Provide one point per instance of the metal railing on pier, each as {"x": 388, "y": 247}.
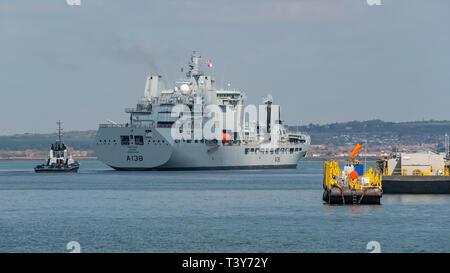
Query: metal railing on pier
{"x": 416, "y": 172}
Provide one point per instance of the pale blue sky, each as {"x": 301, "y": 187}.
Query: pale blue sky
{"x": 322, "y": 60}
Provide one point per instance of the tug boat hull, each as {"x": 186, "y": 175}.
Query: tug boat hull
{"x": 368, "y": 197}
{"x": 45, "y": 169}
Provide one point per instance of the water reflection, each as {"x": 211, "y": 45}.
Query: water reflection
{"x": 417, "y": 198}
{"x": 352, "y": 210}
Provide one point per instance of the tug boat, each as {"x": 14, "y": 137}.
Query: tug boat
{"x": 59, "y": 159}
{"x": 351, "y": 186}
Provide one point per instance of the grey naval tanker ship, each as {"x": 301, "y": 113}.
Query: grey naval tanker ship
{"x": 147, "y": 142}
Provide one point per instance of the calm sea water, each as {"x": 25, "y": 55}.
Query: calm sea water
{"x": 205, "y": 211}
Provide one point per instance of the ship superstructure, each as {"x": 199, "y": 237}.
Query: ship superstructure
{"x": 194, "y": 125}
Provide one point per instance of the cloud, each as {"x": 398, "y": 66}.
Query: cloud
{"x": 295, "y": 10}
{"x": 135, "y": 53}
{"x": 269, "y": 11}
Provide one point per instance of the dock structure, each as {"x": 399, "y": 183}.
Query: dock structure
{"x": 416, "y": 184}
{"x": 351, "y": 186}
{"x": 415, "y": 173}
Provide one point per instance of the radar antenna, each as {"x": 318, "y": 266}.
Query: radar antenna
{"x": 194, "y": 66}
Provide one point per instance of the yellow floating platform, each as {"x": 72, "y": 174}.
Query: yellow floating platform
{"x": 350, "y": 185}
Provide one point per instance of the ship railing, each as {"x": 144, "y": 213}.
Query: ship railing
{"x": 126, "y": 125}
{"x": 397, "y": 171}
{"x": 375, "y": 178}
{"x": 416, "y": 172}
{"x": 138, "y": 110}
{"x": 331, "y": 172}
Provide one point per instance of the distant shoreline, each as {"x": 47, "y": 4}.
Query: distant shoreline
{"x": 34, "y": 159}
{"x": 340, "y": 158}
{"x": 369, "y": 159}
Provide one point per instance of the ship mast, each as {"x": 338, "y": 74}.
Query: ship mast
{"x": 268, "y": 102}
{"x": 194, "y": 66}
{"x": 447, "y": 146}
{"x": 59, "y": 130}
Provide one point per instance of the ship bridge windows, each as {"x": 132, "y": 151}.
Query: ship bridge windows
{"x": 229, "y": 96}
{"x": 139, "y": 140}
{"x": 125, "y": 140}
{"x": 296, "y": 140}
{"x": 165, "y": 124}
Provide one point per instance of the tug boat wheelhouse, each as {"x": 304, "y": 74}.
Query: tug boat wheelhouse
{"x": 59, "y": 159}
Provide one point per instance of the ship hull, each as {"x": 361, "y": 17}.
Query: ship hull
{"x": 154, "y": 151}
{"x": 57, "y": 170}
{"x": 352, "y": 197}
{"x": 252, "y": 167}
{"x": 160, "y": 152}
{"x": 407, "y": 184}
